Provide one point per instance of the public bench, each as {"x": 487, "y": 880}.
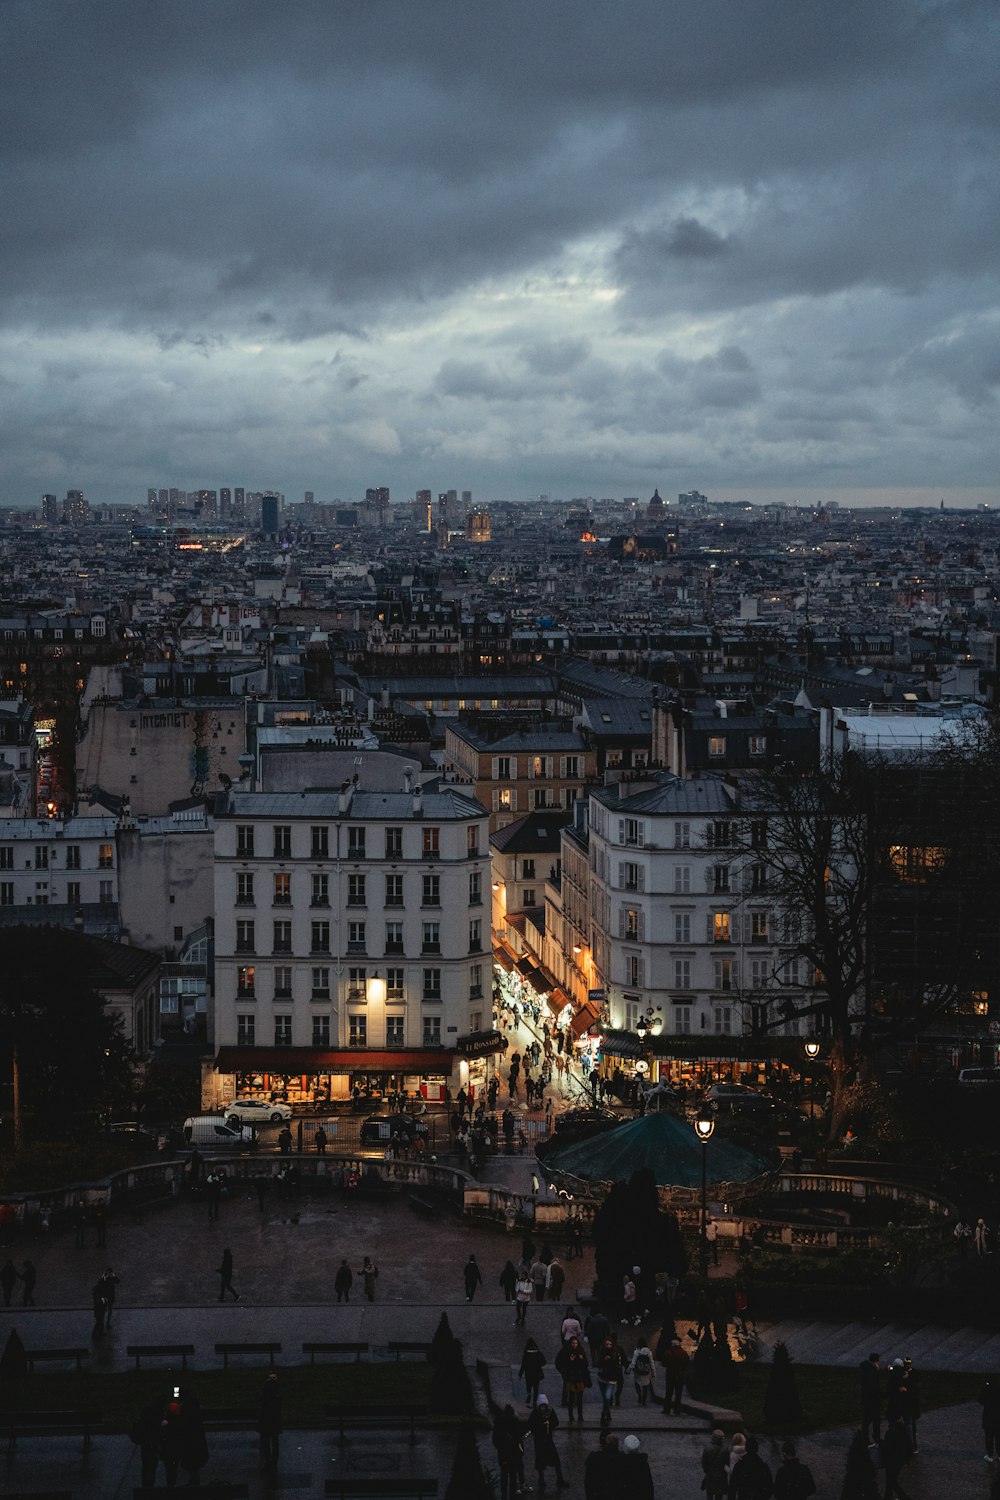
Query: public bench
{"x": 382, "y": 1489}
{"x": 38, "y": 1495}
{"x": 227, "y": 1349}
{"x": 156, "y": 1351}
{"x": 313, "y": 1349}
{"x": 51, "y": 1423}
{"x": 33, "y": 1355}
{"x": 218, "y": 1489}
{"x": 399, "y": 1347}
{"x": 382, "y": 1415}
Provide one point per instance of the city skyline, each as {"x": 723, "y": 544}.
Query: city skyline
{"x": 571, "y": 251}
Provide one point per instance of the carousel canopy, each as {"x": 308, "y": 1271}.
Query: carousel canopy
{"x": 662, "y": 1142}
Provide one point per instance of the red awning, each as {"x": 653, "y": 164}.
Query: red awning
{"x": 503, "y": 958}
{"x": 585, "y": 1016}
{"x": 318, "y": 1060}
{"x": 557, "y": 1001}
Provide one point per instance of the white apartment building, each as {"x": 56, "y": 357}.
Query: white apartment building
{"x": 71, "y": 865}
{"x": 681, "y": 918}
{"x": 352, "y": 940}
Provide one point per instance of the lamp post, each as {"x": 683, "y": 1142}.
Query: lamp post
{"x": 812, "y": 1052}
{"x": 704, "y": 1126}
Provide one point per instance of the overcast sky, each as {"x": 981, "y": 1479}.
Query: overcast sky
{"x": 577, "y": 248}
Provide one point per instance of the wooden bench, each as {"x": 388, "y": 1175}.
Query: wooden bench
{"x": 32, "y": 1355}
{"x": 313, "y": 1349}
{"x": 382, "y": 1489}
{"x": 227, "y": 1349}
{"x": 403, "y": 1414}
{"x": 57, "y": 1423}
{"x": 157, "y": 1351}
{"x": 399, "y": 1347}
{"x": 216, "y": 1489}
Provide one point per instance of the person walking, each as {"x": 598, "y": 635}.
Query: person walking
{"x": 608, "y": 1367}
{"x": 369, "y": 1276}
{"x": 981, "y": 1238}
{"x": 269, "y": 1420}
{"x": 895, "y": 1450}
{"x": 213, "y": 1194}
{"x": 871, "y": 1398}
{"x": 320, "y": 1139}
{"x": 101, "y": 1224}
{"x": 675, "y": 1359}
{"x": 508, "y": 1441}
{"x": 537, "y": 1273}
{"x": 542, "y": 1426}
{"x": 715, "y": 1467}
{"x": 602, "y": 1471}
{"x": 573, "y": 1366}
{"x": 147, "y": 1434}
{"x": 226, "y": 1277}
{"x": 794, "y": 1480}
{"x": 597, "y": 1329}
{"x": 343, "y": 1281}
{"x": 712, "y": 1236}
{"x": 571, "y": 1327}
{"x": 508, "y": 1281}
{"x": 751, "y": 1477}
{"x": 8, "y": 1278}
{"x": 636, "y": 1479}
{"x": 532, "y": 1370}
{"x": 555, "y": 1279}
{"x": 522, "y": 1296}
{"x": 911, "y": 1400}
{"x": 641, "y": 1368}
{"x": 100, "y": 1308}
{"x": 29, "y": 1278}
{"x": 285, "y": 1141}
{"x": 472, "y": 1277}
{"x": 108, "y": 1282}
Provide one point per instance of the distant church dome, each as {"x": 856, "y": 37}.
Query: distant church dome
{"x": 655, "y": 506}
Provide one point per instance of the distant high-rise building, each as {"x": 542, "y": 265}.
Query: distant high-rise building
{"x": 207, "y": 502}
{"x": 692, "y": 497}
{"x": 466, "y": 499}
{"x": 376, "y": 506}
{"x": 309, "y": 498}
{"x": 239, "y": 505}
{"x": 76, "y": 511}
{"x": 164, "y": 500}
{"x": 452, "y": 501}
{"x": 270, "y": 508}
{"x": 151, "y": 498}
{"x": 423, "y": 512}
{"x": 50, "y": 510}
{"x": 225, "y": 503}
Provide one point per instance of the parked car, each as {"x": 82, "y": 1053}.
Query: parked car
{"x": 131, "y": 1133}
{"x": 215, "y": 1131}
{"x": 378, "y": 1128}
{"x": 256, "y": 1112}
{"x": 977, "y": 1077}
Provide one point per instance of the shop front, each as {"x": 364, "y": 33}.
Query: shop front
{"x": 479, "y": 1058}
{"x": 306, "y": 1076}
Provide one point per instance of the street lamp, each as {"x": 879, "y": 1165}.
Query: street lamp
{"x": 812, "y": 1052}
{"x": 704, "y": 1126}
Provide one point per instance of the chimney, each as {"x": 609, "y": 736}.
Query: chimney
{"x": 344, "y": 799}
{"x": 418, "y": 801}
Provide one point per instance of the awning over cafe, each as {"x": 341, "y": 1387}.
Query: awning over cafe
{"x": 305, "y": 1060}
{"x": 585, "y": 1017}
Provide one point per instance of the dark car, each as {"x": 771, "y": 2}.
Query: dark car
{"x": 379, "y": 1128}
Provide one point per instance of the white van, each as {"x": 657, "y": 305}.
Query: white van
{"x": 215, "y": 1131}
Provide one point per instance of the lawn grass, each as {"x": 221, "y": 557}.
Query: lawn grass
{"x": 830, "y": 1395}
{"x": 307, "y": 1390}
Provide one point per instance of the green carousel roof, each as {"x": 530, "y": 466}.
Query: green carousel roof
{"x": 662, "y": 1142}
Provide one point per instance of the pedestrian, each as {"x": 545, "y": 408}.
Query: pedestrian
{"x": 895, "y": 1451}
{"x": 226, "y": 1277}
{"x": 320, "y": 1139}
{"x": 712, "y": 1237}
{"x": 555, "y": 1279}
{"x": 793, "y": 1480}
{"x": 537, "y": 1274}
{"x": 674, "y": 1358}
{"x": 962, "y": 1236}
{"x": 860, "y": 1478}
{"x": 533, "y": 1370}
{"x": 751, "y": 1477}
{"x": 8, "y": 1276}
{"x": 641, "y": 1367}
{"x": 508, "y": 1281}
{"x": 508, "y": 1440}
{"x": 369, "y": 1276}
{"x": 636, "y": 1479}
{"x": 29, "y": 1277}
{"x": 269, "y": 1420}
{"x": 602, "y": 1471}
{"x": 542, "y": 1425}
{"x": 285, "y": 1141}
{"x": 343, "y": 1281}
{"x": 715, "y": 1466}
{"x": 597, "y": 1328}
{"x": 522, "y": 1296}
{"x": 194, "y": 1174}
{"x": 871, "y": 1398}
{"x": 472, "y": 1277}
{"x": 108, "y": 1282}
{"x": 989, "y": 1400}
{"x": 213, "y": 1193}
{"x": 147, "y": 1434}
{"x": 263, "y": 1184}
{"x": 571, "y": 1326}
{"x": 101, "y": 1224}
{"x": 981, "y": 1238}
{"x": 193, "y": 1454}
{"x": 572, "y": 1364}
{"x": 100, "y": 1308}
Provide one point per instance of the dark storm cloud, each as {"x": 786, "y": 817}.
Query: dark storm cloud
{"x": 195, "y": 194}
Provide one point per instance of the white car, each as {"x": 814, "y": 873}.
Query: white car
{"x": 256, "y": 1112}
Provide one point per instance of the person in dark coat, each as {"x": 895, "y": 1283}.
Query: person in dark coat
{"x": 573, "y": 1366}
{"x": 8, "y": 1276}
{"x": 637, "y": 1481}
{"x": 508, "y": 1281}
{"x": 473, "y": 1278}
{"x": 533, "y": 1369}
{"x": 602, "y": 1471}
{"x": 896, "y": 1451}
{"x": 226, "y": 1277}
{"x": 147, "y": 1434}
{"x": 29, "y": 1276}
{"x": 542, "y": 1426}
{"x": 508, "y": 1440}
{"x": 343, "y": 1281}
{"x": 871, "y": 1398}
{"x": 596, "y": 1328}
{"x": 911, "y": 1404}
{"x": 193, "y": 1449}
{"x": 269, "y": 1421}
{"x": 675, "y": 1361}
{"x": 793, "y": 1480}
{"x": 320, "y": 1139}
{"x": 751, "y": 1477}
{"x": 108, "y": 1283}
{"x": 715, "y": 1466}
{"x": 100, "y": 1308}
